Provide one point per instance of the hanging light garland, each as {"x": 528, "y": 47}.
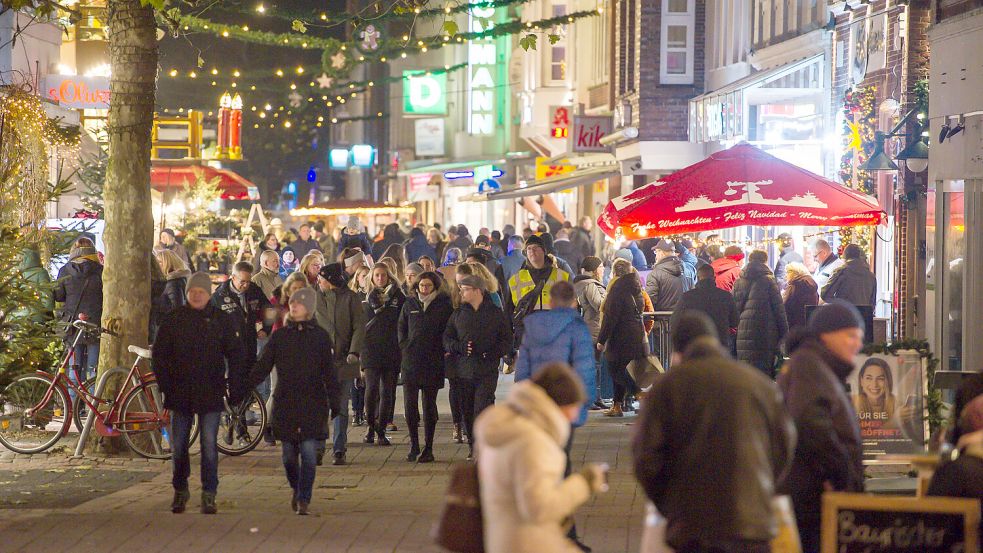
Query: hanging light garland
{"x": 859, "y": 125}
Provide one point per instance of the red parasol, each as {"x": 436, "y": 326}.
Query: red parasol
{"x": 232, "y": 185}
{"x": 738, "y": 186}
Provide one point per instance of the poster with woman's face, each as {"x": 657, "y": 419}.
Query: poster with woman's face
{"x": 887, "y": 395}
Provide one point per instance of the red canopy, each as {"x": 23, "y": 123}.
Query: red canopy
{"x": 739, "y": 186}
{"x": 232, "y": 185}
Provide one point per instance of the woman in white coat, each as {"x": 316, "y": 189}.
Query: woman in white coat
{"x": 520, "y": 444}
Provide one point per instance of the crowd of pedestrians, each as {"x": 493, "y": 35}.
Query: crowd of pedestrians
{"x": 326, "y": 327}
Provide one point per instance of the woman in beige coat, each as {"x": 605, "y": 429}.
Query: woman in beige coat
{"x": 520, "y": 450}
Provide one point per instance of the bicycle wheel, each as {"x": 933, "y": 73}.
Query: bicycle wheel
{"x": 80, "y": 410}
{"x": 31, "y": 419}
{"x": 144, "y": 422}
{"x": 240, "y": 429}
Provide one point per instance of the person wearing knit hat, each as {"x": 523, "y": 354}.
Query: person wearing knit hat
{"x": 201, "y": 281}
{"x": 540, "y": 271}
{"x": 813, "y": 383}
{"x": 473, "y": 281}
{"x": 307, "y": 393}
{"x": 335, "y": 274}
{"x": 353, "y": 262}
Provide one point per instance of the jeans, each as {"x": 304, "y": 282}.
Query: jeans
{"x": 477, "y": 394}
{"x": 605, "y": 386}
{"x": 341, "y": 421}
{"x": 380, "y": 396}
{"x": 454, "y": 394}
{"x": 358, "y": 397}
{"x": 180, "y": 434}
{"x": 300, "y": 464}
{"x": 86, "y": 358}
{"x": 411, "y": 403}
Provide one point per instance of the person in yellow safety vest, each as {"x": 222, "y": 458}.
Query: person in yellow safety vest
{"x": 538, "y": 267}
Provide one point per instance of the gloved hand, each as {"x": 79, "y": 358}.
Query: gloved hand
{"x": 351, "y": 359}
{"x": 596, "y": 475}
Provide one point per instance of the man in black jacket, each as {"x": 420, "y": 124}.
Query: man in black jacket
{"x": 194, "y": 344}
{"x": 479, "y": 335}
{"x": 246, "y": 302}
{"x": 715, "y": 303}
{"x": 664, "y": 283}
{"x": 708, "y": 412}
{"x": 853, "y": 282}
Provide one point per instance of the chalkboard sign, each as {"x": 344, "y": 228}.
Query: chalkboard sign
{"x": 860, "y": 523}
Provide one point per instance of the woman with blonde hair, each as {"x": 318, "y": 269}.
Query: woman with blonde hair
{"x": 295, "y": 281}
{"x": 311, "y": 265}
{"x": 357, "y": 284}
{"x": 380, "y": 354}
{"x": 482, "y": 272}
{"x": 176, "y": 274}
{"x": 801, "y": 291}
{"x": 397, "y": 253}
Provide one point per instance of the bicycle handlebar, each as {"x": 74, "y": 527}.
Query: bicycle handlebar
{"x": 85, "y": 325}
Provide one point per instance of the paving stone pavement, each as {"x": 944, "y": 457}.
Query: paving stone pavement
{"x": 379, "y": 503}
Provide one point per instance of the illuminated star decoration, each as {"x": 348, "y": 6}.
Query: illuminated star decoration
{"x": 295, "y": 99}
{"x": 324, "y": 81}
{"x": 338, "y": 60}
{"x": 855, "y": 143}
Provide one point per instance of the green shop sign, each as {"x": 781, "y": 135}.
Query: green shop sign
{"x": 424, "y": 94}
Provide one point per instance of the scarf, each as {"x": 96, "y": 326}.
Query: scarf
{"x": 428, "y": 299}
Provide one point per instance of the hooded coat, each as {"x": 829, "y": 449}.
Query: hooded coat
{"x": 763, "y": 323}
{"x": 664, "y": 283}
{"x": 79, "y": 289}
{"x": 727, "y": 270}
{"x": 622, "y": 329}
{"x": 521, "y": 461}
{"x": 558, "y": 335}
{"x": 800, "y": 292}
{"x": 853, "y": 282}
{"x": 590, "y": 296}
{"x": 421, "y": 334}
{"x": 307, "y": 384}
{"x": 708, "y": 413}
{"x": 829, "y": 447}
{"x": 417, "y": 247}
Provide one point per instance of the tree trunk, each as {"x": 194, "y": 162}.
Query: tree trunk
{"x": 129, "y": 222}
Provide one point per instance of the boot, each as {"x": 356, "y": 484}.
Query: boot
{"x": 208, "y": 505}
{"x": 392, "y": 427}
{"x": 614, "y": 411}
{"x": 383, "y": 439}
{"x": 359, "y": 419}
{"x": 293, "y": 502}
{"x": 414, "y": 444}
{"x": 426, "y": 456}
{"x": 458, "y": 435}
{"x": 303, "y": 508}
{"x": 180, "y": 502}
{"x": 370, "y": 435}
{"x": 339, "y": 459}
{"x": 320, "y": 457}
{"x": 268, "y": 436}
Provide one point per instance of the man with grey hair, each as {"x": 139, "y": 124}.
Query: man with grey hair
{"x": 828, "y": 261}
{"x": 268, "y": 277}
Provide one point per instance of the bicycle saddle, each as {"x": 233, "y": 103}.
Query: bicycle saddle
{"x": 145, "y": 353}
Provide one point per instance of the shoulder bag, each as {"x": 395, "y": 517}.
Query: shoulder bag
{"x": 460, "y": 528}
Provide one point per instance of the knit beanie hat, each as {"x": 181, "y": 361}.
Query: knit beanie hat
{"x": 474, "y": 282}
{"x": 690, "y": 326}
{"x": 305, "y": 297}
{"x": 590, "y": 263}
{"x": 535, "y": 240}
{"x": 414, "y": 268}
{"x": 81, "y": 251}
{"x": 333, "y": 273}
{"x": 359, "y": 257}
{"x": 353, "y": 224}
{"x": 199, "y": 280}
{"x": 561, "y": 384}
{"x": 624, "y": 253}
{"x": 836, "y": 315}
{"x": 664, "y": 245}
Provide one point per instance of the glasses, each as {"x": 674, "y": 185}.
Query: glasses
{"x": 467, "y": 289}
{"x": 425, "y": 286}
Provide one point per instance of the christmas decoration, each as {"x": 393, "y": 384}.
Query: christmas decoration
{"x": 860, "y": 123}
{"x": 324, "y": 81}
{"x": 370, "y": 39}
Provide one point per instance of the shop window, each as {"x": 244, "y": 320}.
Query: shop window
{"x": 953, "y": 269}
{"x": 677, "y": 47}
{"x": 556, "y": 54}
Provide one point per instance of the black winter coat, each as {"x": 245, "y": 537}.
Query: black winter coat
{"x": 853, "y": 282}
{"x": 664, "y": 284}
{"x": 828, "y": 447}
{"x": 715, "y": 303}
{"x": 491, "y": 332}
{"x": 421, "y": 334}
{"x": 256, "y": 303}
{"x": 380, "y": 350}
{"x": 801, "y": 292}
{"x": 622, "y": 329}
{"x": 79, "y": 288}
{"x": 190, "y": 357}
{"x": 763, "y": 323}
{"x": 360, "y": 241}
{"x": 307, "y": 384}
{"x": 174, "y": 294}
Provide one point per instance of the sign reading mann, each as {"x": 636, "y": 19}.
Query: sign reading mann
{"x": 482, "y": 63}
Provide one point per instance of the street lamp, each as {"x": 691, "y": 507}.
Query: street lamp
{"x": 914, "y": 155}
{"x": 879, "y": 161}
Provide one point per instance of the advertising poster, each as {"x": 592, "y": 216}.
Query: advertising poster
{"x": 887, "y": 393}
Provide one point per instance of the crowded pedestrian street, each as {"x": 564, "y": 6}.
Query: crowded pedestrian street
{"x": 378, "y": 503}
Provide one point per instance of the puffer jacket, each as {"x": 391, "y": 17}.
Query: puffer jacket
{"x": 727, "y": 271}
{"x": 622, "y": 329}
{"x": 491, "y": 332}
{"x": 711, "y": 412}
{"x": 558, "y": 335}
{"x": 341, "y": 314}
{"x": 664, "y": 284}
{"x": 853, "y": 282}
{"x": 307, "y": 384}
{"x": 421, "y": 334}
{"x": 590, "y": 295}
{"x": 524, "y": 496}
{"x": 380, "y": 349}
{"x": 763, "y": 323}
{"x": 829, "y": 447}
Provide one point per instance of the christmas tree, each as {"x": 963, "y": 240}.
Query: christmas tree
{"x": 92, "y": 175}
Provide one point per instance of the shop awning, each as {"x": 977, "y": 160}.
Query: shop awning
{"x": 351, "y": 207}
{"x": 577, "y": 178}
{"x": 175, "y": 177}
{"x": 736, "y": 187}
{"x": 449, "y": 165}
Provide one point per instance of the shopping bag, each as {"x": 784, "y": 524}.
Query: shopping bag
{"x": 645, "y": 370}
{"x": 460, "y": 528}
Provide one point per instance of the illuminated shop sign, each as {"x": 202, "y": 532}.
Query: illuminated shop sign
{"x": 424, "y": 94}
{"x": 482, "y": 60}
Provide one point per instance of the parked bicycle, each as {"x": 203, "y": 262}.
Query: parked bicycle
{"x": 35, "y": 410}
